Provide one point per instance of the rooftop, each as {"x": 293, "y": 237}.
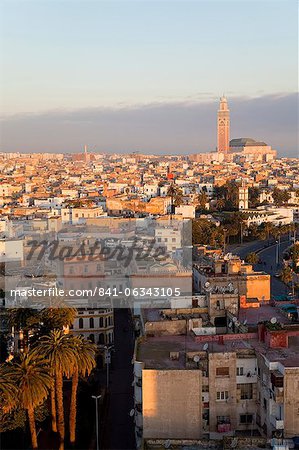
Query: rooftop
{"x": 245, "y": 142}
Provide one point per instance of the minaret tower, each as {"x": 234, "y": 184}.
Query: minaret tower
{"x": 223, "y": 125}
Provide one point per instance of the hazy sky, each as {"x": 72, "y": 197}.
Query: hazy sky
{"x": 129, "y": 68}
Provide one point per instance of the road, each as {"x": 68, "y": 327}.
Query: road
{"x": 268, "y": 260}
{"x": 119, "y": 427}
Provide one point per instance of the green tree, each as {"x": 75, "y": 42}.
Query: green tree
{"x": 286, "y": 275}
{"x": 176, "y": 195}
{"x": 280, "y": 196}
{"x": 31, "y": 376}
{"x": 220, "y": 204}
{"x": 253, "y": 197}
{"x": 8, "y": 388}
{"x": 206, "y": 233}
{"x": 25, "y": 320}
{"x": 57, "y": 317}
{"x": 59, "y": 349}
{"x": 202, "y": 199}
{"x": 84, "y": 363}
{"x": 252, "y": 258}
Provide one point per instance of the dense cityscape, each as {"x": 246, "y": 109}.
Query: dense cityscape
{"x": 149, "y": 225}
{"x": 150, "y": 301}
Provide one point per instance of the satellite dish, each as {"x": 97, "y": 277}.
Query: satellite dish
{"x": 167, "y": 444}
{"x": 196, "y": 358}
{"x": 235, "y": 319}
{"x": 273, "y": 320}
{"x": 230, "y": 324}
{"x": 245, "y": 322}
{"x": 132, "y": 412}
{"x": 206, "y": 346}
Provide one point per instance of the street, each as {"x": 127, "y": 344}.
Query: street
{"x": 268, "y": 260}
{"x": 119, "y": 426}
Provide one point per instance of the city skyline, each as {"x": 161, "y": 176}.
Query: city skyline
{"x": 158, "y": 128}
{"x": 165, "y": 64}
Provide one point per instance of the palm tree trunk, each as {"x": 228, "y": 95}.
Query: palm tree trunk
{"x": 60, "y": 409}
{"x": 30, "y": 411}
{"x": 53, "y": 409}
{"x": 73, "y": 408}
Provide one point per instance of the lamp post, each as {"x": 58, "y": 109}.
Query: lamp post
{"x": 277, "y": 250}
{"x": 97, "y": 397}
{"x": 224, "y": 246}
{"x": 107, "y": 361}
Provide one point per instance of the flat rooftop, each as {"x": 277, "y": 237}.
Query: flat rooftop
{"x": 263, "y": 313}
{"x": 155, "y": 351}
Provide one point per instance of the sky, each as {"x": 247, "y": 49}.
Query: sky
{"x": 146, "y": 74}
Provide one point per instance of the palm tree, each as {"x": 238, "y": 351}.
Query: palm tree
{"x": 57, "y": 317}
{"x": 33, "y": 379}
{"x": 22, "y": 320}
{"x": 176, "y": 196}
{"x": 202, "y": 199}
{"x": 220, "y": 204}
{"x": 286, "y": 275}
{"x": 252, "y": 258}
{"x": 60, "y": 350}
{"x": 85, "y": 362}
{"x": 8, "y": 388}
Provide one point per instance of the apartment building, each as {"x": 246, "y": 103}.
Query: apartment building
{"x": 191, "y": 386}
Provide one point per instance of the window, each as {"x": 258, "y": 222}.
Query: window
{"x": 80, "y": 322}
{"x": 240, "y": 371}
{"x": 99, "y": 267}
{"x": 91, "y": 322}
{"x": 222, "y": 372}
{"x": 223, "y": 419}
{"x": 101, "y": 322}
{"x": 173, "y": 239}
{"x": 246, "y": 418}
{"x": 205, "y": 388}
{"x": 246, "y": 391}
{"x": 222, "y": 395}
